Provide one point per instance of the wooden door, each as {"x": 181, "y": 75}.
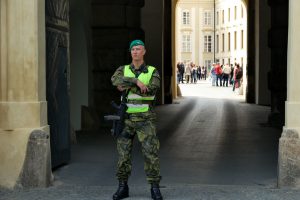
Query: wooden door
{"x": 57, "y": 75}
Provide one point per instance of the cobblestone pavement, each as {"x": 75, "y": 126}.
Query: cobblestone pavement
{"x": 213, "y": 147}
{"x": 179, "y": 192}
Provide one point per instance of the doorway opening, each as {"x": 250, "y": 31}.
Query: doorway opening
{"x": 208, "y": 34}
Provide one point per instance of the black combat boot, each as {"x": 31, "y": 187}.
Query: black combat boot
{"x": 155, "y": 192}
{"x": 122, "y": 192}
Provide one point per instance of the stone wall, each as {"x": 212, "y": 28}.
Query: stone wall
{"x": 113, "y": 25}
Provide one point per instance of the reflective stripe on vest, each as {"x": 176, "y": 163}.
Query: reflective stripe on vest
{"x": 145, "y": 79}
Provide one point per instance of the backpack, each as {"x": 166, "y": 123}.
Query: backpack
{"x": 239, "y": 74}
{"x": 219, "y": 70}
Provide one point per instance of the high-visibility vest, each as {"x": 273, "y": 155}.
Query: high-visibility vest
{"x": 145, "y": 79}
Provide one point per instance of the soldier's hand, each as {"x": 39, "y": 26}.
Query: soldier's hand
{"x": 121, "y": 88}
{"x": 142, "y": 87}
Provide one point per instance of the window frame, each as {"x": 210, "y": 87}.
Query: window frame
{"x": 185, "y": 17}
{"x": 207, "y": 18}
{"x": 207, "y": 43}
{"x": 186, "y": 43}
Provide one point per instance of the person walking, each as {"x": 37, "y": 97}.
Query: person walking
{"x": 141, "y": 82}
{"x": 226, "y": 73}
{"x": 237, "y": 75}
{"x": 231, "y": 74}
{"x": 181, "y": 71}
{"x": 178, "y": 72}
{"x": 199, "y": 73}
{"x": 219, "y": 73}
{"x": 213, "y": 74}
{"x": 194, "y": 73}
{"x": 204, "y": 72}
{"x": 188, "y": 73}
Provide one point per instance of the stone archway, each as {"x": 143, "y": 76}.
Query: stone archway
{"x": 289, "y": 147}
{"x": 173, "y": 44}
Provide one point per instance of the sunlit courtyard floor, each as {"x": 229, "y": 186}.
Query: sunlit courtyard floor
{"x": 204, "y": 88}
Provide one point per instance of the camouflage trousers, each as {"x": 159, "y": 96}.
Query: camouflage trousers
{"x": 146, "y": 133}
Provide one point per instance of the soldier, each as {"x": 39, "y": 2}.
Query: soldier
{"x": 142, "y": 82}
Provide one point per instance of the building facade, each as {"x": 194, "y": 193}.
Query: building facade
{"x": 211, "y": 31}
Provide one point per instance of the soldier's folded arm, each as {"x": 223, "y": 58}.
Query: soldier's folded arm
{"x": 118, "y": 79}
{"x": 153, "y": 86}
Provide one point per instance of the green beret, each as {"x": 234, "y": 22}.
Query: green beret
{"x": 136, "y": 43}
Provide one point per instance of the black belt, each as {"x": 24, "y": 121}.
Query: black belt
{"x": 140, "y": 102}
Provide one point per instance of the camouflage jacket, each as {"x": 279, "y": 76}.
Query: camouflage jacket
{"x": 128, "y": 82}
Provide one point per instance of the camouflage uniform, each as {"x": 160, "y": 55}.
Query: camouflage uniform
{"x": 142, "y": 124}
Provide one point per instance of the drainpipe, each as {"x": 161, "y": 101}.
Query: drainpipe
{"x": 214, "y": 31}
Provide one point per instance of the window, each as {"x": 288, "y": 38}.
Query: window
{"x": 186, "y": 18}
{"x": 234, "y": 40}
{"x": 242, "y": 39}
{"x": 228, "y": 14}
{"x": 207, "y": 43}
{"x": 186, "y": 43}
{"x": 223, "y": 41}
{"x": 235, "y": 8}
{"x": 242, "y": 61}
{"x": 186, "y": 62}
{"x": 207, "y": 18}
{"x": 242, "y": 12}
{"x": 222, "y": 16}
{"x": 217, "y": 20}
{"x": 217, "y": 43}
{"x": 207, "y": 64}
{"x": 229, "y": 41}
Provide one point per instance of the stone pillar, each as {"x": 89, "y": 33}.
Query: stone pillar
{"x": 277, "y": 42}
{"x": 289, "y": 145}
{"x": 262, "y": 51}
{"x": 23, "y": 106}
{"x": 251, "y": 49}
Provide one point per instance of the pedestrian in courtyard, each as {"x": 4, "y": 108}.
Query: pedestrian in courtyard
{"x": 219, "y": 73}
{"x": 181, "y": 71}
{"x": 199, "y": 73}
{"x": 141, "y": 82}
{"x": 194, "y": 73}
{"x": 231, "y": 74}
{"x": 226, "y": 74}
{"x": 188, "y": 73}
{"x": 213, "y": 74}
{"x": 237, "y": 76}
{"x": 178, "y": 72}
{"x": 204, "y": 72}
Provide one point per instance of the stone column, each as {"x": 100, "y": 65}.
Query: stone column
{"x": 23, "y": 106}
{"x": 289, "y": 145}
{"x": 277, "y": 42}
